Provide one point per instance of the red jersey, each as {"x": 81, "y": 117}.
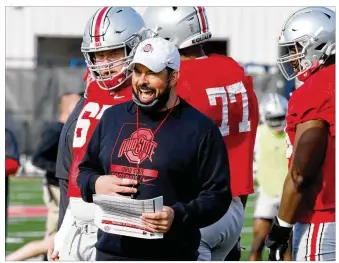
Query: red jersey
{"x": 98, "y": 100}
{"x": 217, "y": 86}
{"x": 315, "y": 100}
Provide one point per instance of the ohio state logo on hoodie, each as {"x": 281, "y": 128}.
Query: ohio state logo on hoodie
{"x": 139, "y": 146}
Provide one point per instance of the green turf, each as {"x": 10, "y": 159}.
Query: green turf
{"x": 25, "y": 191}
{"x": 28, "y": 191}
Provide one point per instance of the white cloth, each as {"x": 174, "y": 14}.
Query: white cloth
{"x": 77, "y": 235}
{"x": 80, "y": 242}
{"x": 61, "y": 235}
{"x": 266, "y": 207}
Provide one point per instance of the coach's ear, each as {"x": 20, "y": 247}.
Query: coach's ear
{"x": 173, "y": 79}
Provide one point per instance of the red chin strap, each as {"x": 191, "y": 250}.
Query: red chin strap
{"x": 308, "y": 73}
{"x": 111, "y": 83}
{"x": 303, "y": 77}
{"x": 86, "y": 74}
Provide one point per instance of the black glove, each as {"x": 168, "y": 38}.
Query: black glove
{"x": 277, "y": 241}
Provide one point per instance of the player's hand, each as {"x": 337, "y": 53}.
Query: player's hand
{"x": 277, "y": 241}
{"x": 159, "y": 222}
{"x": 112, "y": 185}
{"x": 52, "y": 255}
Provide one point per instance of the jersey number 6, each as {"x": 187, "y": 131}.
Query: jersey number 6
{"x": 231, "y": 91}
{"x": 84, "y": 124}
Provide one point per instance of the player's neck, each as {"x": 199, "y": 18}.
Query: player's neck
{"x": 193, "y": 52}
{"x": 195, "y": 56}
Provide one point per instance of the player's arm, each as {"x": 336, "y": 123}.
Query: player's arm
{"x": 243, "y": 198}
{"x": 308, "y": 155}
{"x": 214, "y": 176}
{"x": 64, "y": 160}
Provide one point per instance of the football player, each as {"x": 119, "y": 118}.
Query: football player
{"x": 109, "y": 38}
{"x": 217, "y": 86}
{"x": 308, "y": 198}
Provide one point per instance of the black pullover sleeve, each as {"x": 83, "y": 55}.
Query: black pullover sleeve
{"x": 214, "y": 177}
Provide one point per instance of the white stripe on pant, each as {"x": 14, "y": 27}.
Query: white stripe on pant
{"x": 314, "y": 242}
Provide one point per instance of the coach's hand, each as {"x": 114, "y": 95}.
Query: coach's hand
{"x": 112, "y": 185}
{"x": 160, "y": 222}
{"x": 277, "y": 241}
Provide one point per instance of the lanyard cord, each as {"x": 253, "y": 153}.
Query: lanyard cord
{"x": 156, "y": 130}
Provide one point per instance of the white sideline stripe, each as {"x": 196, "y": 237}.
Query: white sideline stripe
{"x": 40, "y": 258}
{"x": 25, "y": 196}
{"x": 21, "y": 219}
{"x": 247, "y": 229}
{"x": 27, "y": 234}
{"x": 249, "y": 204}
{"x": 14, "y": 240}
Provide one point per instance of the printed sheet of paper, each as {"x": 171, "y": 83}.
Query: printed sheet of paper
{"x": 121, "y": 216}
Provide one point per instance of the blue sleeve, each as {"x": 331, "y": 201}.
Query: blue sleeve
{"x": 11, "y": 146}
{"x": 44, "y": 156}
{"x": 215, "y": 195}
{"x": 90, "y": 168}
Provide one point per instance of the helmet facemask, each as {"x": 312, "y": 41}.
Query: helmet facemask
{"x": 294, "y": 59}
{"x": 273, "y": 110}
{"x": 104, "y": 72}
{"x": 277, "y": 123}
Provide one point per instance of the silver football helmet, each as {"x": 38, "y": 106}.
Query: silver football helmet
{"x": 108, "y": 29}
{"x": 182, "y": 25}
{"x": 273, "y": 111}
{"x": 307, "y": 39}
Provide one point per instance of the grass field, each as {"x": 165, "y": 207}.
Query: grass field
{"x": 28, "y": 192}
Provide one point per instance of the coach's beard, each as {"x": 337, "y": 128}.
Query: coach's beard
{"x": 156, "y": 104}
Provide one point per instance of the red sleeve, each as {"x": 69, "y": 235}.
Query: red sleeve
{"x": 323, "y": 110}
{"x": 315, "y": 102}
{"x": 11, "y": 166}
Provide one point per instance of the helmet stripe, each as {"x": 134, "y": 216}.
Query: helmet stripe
{"x": 202, "y": 19}
{"x": 94, "y": 22}
{"x": 98, "y": 23}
